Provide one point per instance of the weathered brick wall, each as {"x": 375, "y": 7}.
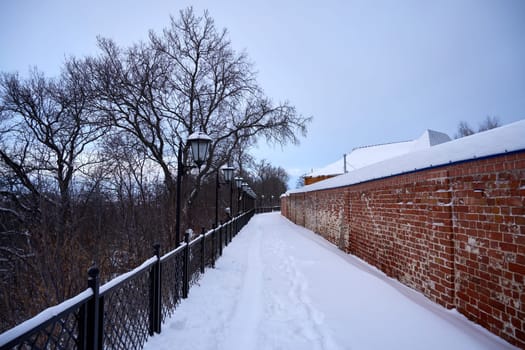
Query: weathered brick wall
{"x": 403, "y": 226}
{"x": 327, "y": 219}
{"x": 488, "y": 213}
{"x": 455, "y": 233}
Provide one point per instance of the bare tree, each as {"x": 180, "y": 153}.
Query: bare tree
{"x": 464, "y": 130}
{"x": 46, "y": 126}
{"x": 184, "y": 80}
{"x": 489, "y": 123}
{"x": 132, "y": 178}
{"x": 300, "y": 181}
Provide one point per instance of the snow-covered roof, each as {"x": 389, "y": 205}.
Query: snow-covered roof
{"x": 364, "y": 156}
{"x": 508, "y": 138}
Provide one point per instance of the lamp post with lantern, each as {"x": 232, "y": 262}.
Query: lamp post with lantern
{"x": 227, "y": 173}
{"x": 199, "y": 144}
{"x": 238, "y": 184}
{"x": 244, "y": 188}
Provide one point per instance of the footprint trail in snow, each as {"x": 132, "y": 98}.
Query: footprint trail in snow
{"x": 280, "y": 286}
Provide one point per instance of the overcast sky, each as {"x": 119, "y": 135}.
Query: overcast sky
{"x": 368, "y": 71}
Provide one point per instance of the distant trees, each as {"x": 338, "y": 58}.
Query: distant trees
{"x": 300, "y": 181}
{"x": 88, "y": 160}
{"x": 269, "y": 182}
{"x": 488, "y": 123}
{"x": 464, "y": 130}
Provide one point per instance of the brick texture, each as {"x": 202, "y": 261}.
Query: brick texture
{"x": 454, "y": 233}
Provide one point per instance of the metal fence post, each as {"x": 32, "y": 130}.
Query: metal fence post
{"x": 203, "y": 250}
{"x": 213, "y": 250}
{"x": 186, "y": 271}
{"x": 155, "y": 290}
{"x": 241, "y": 223}
{"x": 226, "y": 234}
{"x": 93, "y": 329}
{"x": 220, "y": 238}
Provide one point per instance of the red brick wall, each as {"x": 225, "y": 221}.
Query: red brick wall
{"x": 327, "y": 219}
{"x": 454, "y": 233}
{"x": 489, "y": 230}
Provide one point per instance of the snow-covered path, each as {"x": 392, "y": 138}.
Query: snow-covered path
{"x": 280, "y": 286}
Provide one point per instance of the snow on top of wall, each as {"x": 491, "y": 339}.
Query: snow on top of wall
{"x": 364, "y": 156}
{"x": 500, "y": 140}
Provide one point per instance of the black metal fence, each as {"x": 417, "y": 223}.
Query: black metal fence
{"x": 124, "y": 312}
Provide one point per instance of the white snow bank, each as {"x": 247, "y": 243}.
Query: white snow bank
{"x": 280, "y": 286}
{"x": 501, "y": 140}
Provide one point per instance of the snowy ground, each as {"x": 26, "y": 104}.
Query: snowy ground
{"x": 279, "y": 286}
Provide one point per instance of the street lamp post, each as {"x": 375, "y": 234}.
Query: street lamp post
{"x": 227, "y": 172}
{"x": 238, "y": 184}
{"x": 245, "y": 188}
{"x": 199, "y": 143}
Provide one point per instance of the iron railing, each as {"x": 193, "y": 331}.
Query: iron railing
{"x": 125, "y": 311}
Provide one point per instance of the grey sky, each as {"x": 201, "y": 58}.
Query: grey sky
{"x": 368, "y": 71}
